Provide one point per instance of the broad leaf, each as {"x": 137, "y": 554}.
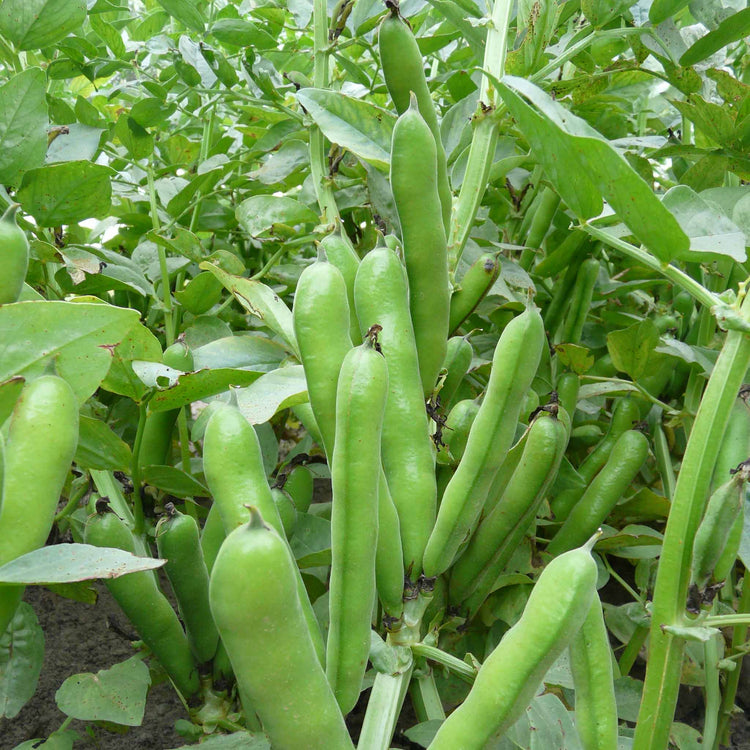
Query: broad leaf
{"x": 117, "y": 694}
{"x": 180, "y": 388}
{"x": 353, "y": 124}
{"x": 174, "y": 481}
{"x": 566, "y": 145}
{"x": 66, "y": 192}
{"x": 21, "y": 658}
{"x": 33, "y": 24}
{"x": 262, "y": 215}
{"x": 100, "y": 448}
{"x": 730, "y": 30}
{"x": 23, "y": 124}
{"x": 272, "y": 392}
{"x": 77, "y": 338}
{"x": 261, "y": 301}
{"x": 186, "y": 11}
{"x": 65, "y": 563}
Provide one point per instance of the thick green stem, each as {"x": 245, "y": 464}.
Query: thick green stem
{"x": 484, "y": 139}
{"x": 713, "y": 693}
{"x": 691, "y": 492}
{"x": 739, "y": 636}
{"x": 674, "y": 274}
{"x": 166, "y": 295}
{"x": 321, "y": 79}
{"x": 426, "y": 699}
{"x": 460, "y": 668}
{"x": 135, "y": 472}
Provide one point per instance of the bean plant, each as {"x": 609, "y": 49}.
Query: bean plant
{"x": 410, "y": 341}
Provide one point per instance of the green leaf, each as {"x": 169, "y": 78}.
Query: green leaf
{"x": 77, "y": 337}
{"x": 185, "y": 11}
{"x": 260, "y": 214}
{"x": 10, "y": 390}
{"x": 136, "y": 139}
{"x": 108, "y": 32}
{"x": 271, "y": 393}
{"x": 360, "y": 127}
{"x": 174, "y": 481}
{"x": 23, "y": 124}
{"x": 65, "y": 563}
{"x": 567, "y": 146}
{"x": 100, "y": 448}
{"x": 601, "y": 12}
{"x": 235, "y": 741}
{"x": 259, "y": 300}
{"x": 712, "y": 233}
{"x": 33, "y": 24}
{"x": 139, "y": 343}
{"x": 311, "y": 543}
{"x": 241, "y": 33}
{"x": 730, "y": 30}
{"x": 21, "y": 658}
{"x": 117, "y": 694}
{"x": 577, "y": 358}
{"x": 184, "y": 388}
{"x": 66, "y": 193}
{"x": 633, "y": 348}
{"x": 80, "y": 143}
{"x": 661, "y": 10}
{"x": 243, "y": 350}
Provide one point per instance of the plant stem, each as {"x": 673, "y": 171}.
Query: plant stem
{"x": 674, "y": 274}
{"x": 713, "y": 693}
{"x": 632, "y": 649}
{"x": 739, "y": 636}
{"x": 484, "y": 138}
{"x": 384, "y": 707}
{"x": 691, "y": 492}
{"x": 135, "y": 472}
{"x": 459, "y": 667}
{"x": 72, "y": 503}
{"x": 426, "y": 699}
{"x": 166, "y": 296}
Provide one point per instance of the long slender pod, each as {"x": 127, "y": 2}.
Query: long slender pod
{"x": 144, "y": 604}
{"x": 340, "y": 253}
{"x": 233, "y": 465}
{"x": 591, "y": 664}
{"x": 511, "y": 675}
{"x": 500, "y": 532}
{"x": 474, "y": 285}
{"x": 381, "y": 296}
{"x": 627, "y": 457}
{"x": 39, "y": 448}
{"x": 321, "y": 326}
{"x": 425, "y": 250}
{"x": 178, "y": 541}
{"x": 254, "y": 602}
{"x": 403, "y": 70}
{"x": 355, "y": 475}
{"x": 514, "y": 365}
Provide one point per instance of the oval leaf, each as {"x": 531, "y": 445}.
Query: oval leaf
{"x": 65, "y": 563}
{"x": 33, "y": 24}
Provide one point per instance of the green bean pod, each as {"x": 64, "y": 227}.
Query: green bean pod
{"x": 212, "y": 536}
{"x": 403, "y": 70}
{"x": 542, "y": 212}
{"x": 381, "y": 296}
{"x": 501, "y": 531}
{"x": 355, "y": 477}
{"x": 567, "y": 386}
{"x": 299, "y": 485}
{"x": 513, "y": 672}
{"x": 286, "y": 509}
{"x": 321, "y": 325}
{"x": 140, "y": 598}
{"x": 580, "y": 303}
{"x": 156, "y": 441}
{"x": 340, "y": 253}
{"x": 559, "y": 259}
{"x": 413, "y": 181}
{"x": 261, "y": 621}
{"x": 724, "y": 506}
{"x": 389, "y": 557}
{"x": 14, "y": 257}
{"x": 514, "y": 364}
{"x": 608, "y": 486}
{"x": 458, "y": 358}
{"x": 474, "y": 286}
{"x": 553, "y": 314}
{"x": 39, "y": 448}
{"x": 625, "y": 414}
{"x": 591, "y": 664}
{"x": 233, "y": 465}
{"x": 178, "y": 541}
{"x": 455, "y": 435}
{"x": 735, "y": 448}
